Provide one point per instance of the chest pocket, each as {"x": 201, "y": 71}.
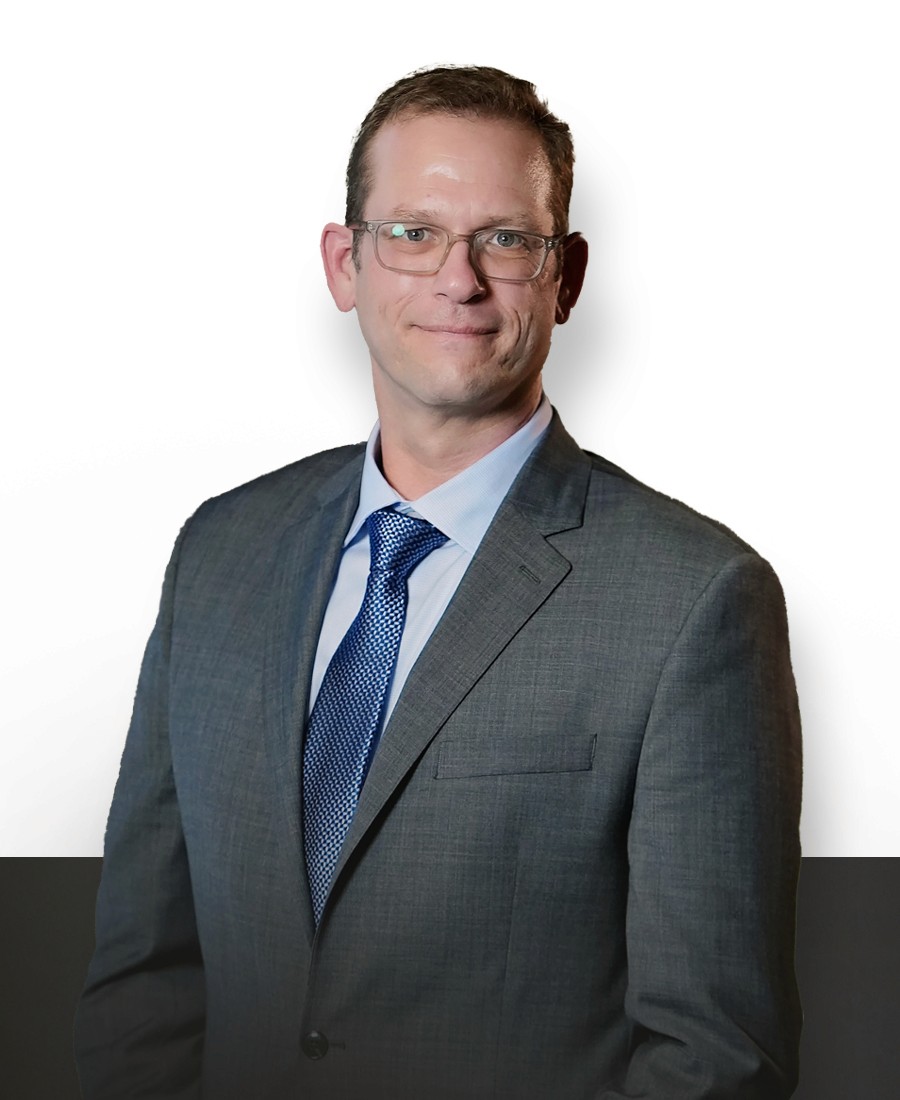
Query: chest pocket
{"x": 524, "y": 756}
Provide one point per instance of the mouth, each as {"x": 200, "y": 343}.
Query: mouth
{"x": 461, "y": 331}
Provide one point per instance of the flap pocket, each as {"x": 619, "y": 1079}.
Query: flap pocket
{"x": 525, "y": 755}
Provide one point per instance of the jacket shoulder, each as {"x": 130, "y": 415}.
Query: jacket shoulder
{"x": 605, "y": 513}
{"x": 249, "y": 520}
{"x": 306, "y": 476}
{"x": 285, "y": 492}
{"x": 644, "y": 509}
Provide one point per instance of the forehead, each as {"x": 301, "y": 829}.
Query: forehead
{"x": 488, "y": 169}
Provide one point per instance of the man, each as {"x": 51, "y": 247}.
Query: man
{"x": 464, "y": 766}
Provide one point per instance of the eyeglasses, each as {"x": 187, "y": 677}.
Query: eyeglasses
{"x": 507, "y": 255}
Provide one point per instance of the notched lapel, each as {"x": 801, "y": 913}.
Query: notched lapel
{"x": 513, "y": 573}
{"x": 308, "y": 556}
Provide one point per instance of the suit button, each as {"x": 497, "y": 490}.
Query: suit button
{"x": 314, "y": 1045}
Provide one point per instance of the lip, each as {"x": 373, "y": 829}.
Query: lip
{"x": 457, "y": 330}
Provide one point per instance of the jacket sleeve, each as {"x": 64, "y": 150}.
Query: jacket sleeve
{"x": 140, "y": 1022}
{"x": 714, "y": 856}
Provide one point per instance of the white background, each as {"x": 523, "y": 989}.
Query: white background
{"x": 167, "y": 333}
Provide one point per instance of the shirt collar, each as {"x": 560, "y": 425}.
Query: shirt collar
{"x": 464, "y": 506}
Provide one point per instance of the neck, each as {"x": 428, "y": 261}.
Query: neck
{"x": 420, "y": 452}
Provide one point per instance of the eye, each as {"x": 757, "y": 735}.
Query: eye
{"x": 407, "y": 234}
{"x": 505, "y": 238}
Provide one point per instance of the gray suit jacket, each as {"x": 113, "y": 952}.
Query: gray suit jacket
{"x": 572, "y": 870}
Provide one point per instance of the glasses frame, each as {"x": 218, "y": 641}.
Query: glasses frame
{"x": 372, "y": 227}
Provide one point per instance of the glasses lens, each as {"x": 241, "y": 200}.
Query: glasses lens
{"x": 509, "y": 254}
{"x": 418, "y": 249}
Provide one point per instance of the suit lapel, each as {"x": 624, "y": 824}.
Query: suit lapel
{"x": 307, "y": 559}
{"x": 513, "y": 573}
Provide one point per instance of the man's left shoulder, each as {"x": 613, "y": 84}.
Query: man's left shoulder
{"x": 640, "y": 538}
{"x": 617, "y": 499}
{"x": 653, "y": 559}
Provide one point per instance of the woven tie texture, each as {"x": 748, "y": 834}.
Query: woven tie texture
{"x": 347, "y": 712}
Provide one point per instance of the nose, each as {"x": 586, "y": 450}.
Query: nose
{"x": 457, "y": 278}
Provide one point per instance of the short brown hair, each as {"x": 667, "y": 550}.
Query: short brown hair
{"x": 476, "y": 91}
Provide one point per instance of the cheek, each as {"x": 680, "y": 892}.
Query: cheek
{"x": 535, "y": 324}
{"x": 529, "y": 341}
{"x": 382, "y": 313}
{"x": 395, "y": 309}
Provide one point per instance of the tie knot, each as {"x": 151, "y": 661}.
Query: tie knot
{"x": 399, "y": 542}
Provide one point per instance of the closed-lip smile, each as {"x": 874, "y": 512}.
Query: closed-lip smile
{"x": 458, "y": 330}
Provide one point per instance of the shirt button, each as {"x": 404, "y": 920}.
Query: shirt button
{"x": 314, "y": 1045}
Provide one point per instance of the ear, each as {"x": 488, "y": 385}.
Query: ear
{"x": 340, "y": 270}
{"x": 574, "y": 265}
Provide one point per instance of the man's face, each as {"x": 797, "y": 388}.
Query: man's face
{"x": 454, "y": 341}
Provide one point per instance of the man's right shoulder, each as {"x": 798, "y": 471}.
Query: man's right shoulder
{"x": 303, "y": 476}
{"x": 275, "y": 500}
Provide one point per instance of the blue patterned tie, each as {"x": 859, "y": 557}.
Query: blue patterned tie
{"x": 344, "y": 723}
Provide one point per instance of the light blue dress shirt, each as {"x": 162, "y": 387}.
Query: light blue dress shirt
{"x": 462, "y": 508}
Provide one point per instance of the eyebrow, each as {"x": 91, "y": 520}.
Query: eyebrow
{"x": 517, "y": 220}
